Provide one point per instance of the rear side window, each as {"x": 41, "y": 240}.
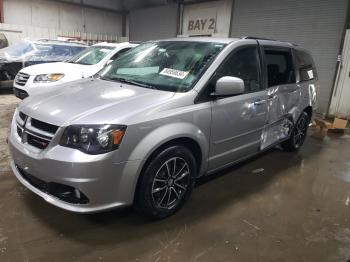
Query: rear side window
{"x": 280, "y": 69}
{"x": 306, "y": 65}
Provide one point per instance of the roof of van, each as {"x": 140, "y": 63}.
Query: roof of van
{"x": 230, "y": 40}
{"x": 203, "y": 39}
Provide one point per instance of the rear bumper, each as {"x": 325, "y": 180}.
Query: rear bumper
{"x": 105, "y": 184}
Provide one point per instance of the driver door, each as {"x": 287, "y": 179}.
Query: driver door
{"x": 238, "y": 121}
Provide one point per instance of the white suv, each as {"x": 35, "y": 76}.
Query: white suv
{"x": 84, "y": 64}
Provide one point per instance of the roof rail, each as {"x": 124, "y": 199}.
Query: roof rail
{"x": 261, "y": 38}
{"x": 257, "y": 38}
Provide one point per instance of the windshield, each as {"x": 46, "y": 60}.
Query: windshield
{"x": 91, "y": 55}
{"x": 167, "y": 65}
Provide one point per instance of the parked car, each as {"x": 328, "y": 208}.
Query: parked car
{"x": 160, "y": 116}
{"x": 27, "y": 52}
{"x": 85, "y": 64}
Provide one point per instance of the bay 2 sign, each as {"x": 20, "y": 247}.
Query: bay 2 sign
{"x": 201, "y": 26}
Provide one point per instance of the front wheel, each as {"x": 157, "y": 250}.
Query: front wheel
{"x": 298, "y": 134}
{"x": 166, "y": 183}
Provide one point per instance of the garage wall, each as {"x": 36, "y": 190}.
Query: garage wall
{"x": 49, "y": 14}
{"x": 153, "y": 23}
{"x": 314, "y": 24}
{"x": 206, "y": 12}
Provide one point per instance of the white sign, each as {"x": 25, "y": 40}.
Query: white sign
{"x": 199, "y": 20}
{"x": 174, "y": 73}
{"x": 201, "y": 25}
{"x": 210, "y": 18}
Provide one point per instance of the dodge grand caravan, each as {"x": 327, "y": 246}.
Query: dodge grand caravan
{"x": 163, "y": 114}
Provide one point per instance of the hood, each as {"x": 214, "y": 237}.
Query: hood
{"x": 47, "y": 68}
{"x": 91, "y": 101}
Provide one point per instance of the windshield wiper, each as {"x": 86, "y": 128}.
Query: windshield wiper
{"x": 127, "y": 81}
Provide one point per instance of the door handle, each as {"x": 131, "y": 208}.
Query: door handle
{"x": 259, "y": 102}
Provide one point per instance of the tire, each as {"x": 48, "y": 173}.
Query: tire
{"x": 166, "y": 183}
{"x": 298, "y": 134}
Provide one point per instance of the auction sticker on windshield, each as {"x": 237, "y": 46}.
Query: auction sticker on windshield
{"x": 174, "y": 73}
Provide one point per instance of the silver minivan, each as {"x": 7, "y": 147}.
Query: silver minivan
{"x": 163, "y": 114}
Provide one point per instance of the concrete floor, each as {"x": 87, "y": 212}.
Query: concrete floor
{"x": 297, "y": 209}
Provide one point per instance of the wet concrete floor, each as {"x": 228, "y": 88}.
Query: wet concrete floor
{"x": 296, "y": 209}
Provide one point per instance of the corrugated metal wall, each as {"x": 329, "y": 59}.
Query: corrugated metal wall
{"x": 314, "y": 24}
{"x": 15, "y": 33}
{"x": 62, "y": 16}
{"x": 153, "y": 23}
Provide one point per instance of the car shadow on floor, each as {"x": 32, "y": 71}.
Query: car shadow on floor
{"x": 212, "y": 194}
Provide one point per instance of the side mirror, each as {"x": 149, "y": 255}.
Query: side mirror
{"x": 109, "y": 61}
{"x": 228, "y": 86}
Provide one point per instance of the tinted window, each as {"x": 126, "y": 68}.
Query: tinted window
{"x": 280, "y": 70}
{"x": 116, "y": 55}
{"x": 243, "y": 64}
{"x": 307, "y": 69}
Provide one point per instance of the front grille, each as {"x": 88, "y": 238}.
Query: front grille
{"x": 36, "y": 141}
{"x": 19, "y": 131}
{"x": 21, "y": 94}
{"x": 21, "y": 79}
{"x": 44, "y": 126}
{"x": 63, "y": 192}
{"x": 22, "y": 116}
{"x": 35, "y": 132}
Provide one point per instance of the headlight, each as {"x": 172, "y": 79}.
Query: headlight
{"x": 93, "y": 139}
{"x": 47, "y": 78}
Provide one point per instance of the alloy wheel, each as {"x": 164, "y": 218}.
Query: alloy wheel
{"x": 300, "y": 131}
{"x": 171, "y": 183}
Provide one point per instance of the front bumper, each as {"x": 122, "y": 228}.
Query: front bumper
{"x": 29, "y": 87}
{"x": 20, "y": 93}
{"x": 105, "y": 183}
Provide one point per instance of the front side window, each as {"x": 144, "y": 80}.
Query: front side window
{"x": 173, "y": 66}
{"x": 280, "y": 70}
{"x": 91, "y": 55}
{"x": 244, "y": 64}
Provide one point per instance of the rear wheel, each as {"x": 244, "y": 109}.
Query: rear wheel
{"x": 298, "y": 134}
{"x": 166, "y": 183}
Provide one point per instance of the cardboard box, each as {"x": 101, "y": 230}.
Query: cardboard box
{"x": 339, "y": 123}
{"x": 323, "y": 126}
